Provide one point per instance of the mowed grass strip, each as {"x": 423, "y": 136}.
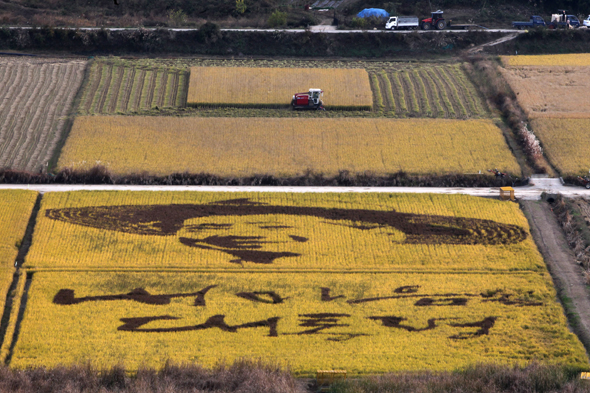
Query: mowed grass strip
{"x": 566, "y": 142}
{"x": 364, "y": 323}
{"x": 573, "y": 59}
{"x": 285, "y": 147}
{"x": 286, "y": 232}
{"x": 274, "y": 87}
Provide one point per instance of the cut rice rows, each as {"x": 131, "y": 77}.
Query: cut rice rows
{"x": 115, "y": 88}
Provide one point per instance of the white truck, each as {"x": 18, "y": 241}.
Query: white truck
{"x": 402, "y": 23}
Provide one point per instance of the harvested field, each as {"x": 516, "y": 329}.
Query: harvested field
{"x": 163, "y": 232}
{"x": 274, "y": 87}
{"x": 566, "y": 143}
{"x": 36, "y": 98}
{"x": 573, "y": 59}
{"x": 123, "y": 88}
{"x": 427, "y": 91}
{"x": 544, "y": 91}
{"x": 316, "y": 281}
{"x": 286, "y": 147}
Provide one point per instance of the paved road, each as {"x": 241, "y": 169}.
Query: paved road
{"x": 530, "y": 192}
{"x": 313, "y": 29}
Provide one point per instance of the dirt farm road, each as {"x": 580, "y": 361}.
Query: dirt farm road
{"x": 566, "y": 273}
{"x": 532, "y": 191}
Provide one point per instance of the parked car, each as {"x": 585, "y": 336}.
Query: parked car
{"x": 586, "y": 21}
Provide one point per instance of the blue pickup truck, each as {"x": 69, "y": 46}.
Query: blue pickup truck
{"x": 536, "y": 21}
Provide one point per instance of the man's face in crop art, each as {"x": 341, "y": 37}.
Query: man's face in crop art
{"x": 259, "y": 233}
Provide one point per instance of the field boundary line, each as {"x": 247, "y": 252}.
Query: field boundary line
{"x": 32, "y": 270}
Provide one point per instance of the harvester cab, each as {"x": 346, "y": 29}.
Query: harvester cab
{"x": 436, "y": 21}
{"x": 308, "y": 100}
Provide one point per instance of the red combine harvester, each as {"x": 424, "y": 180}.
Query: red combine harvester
{"x": 436, "y": 21}
{"x": 308, "y": 100}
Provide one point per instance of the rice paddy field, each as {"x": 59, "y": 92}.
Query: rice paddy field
{"x": 285, "y": 146}
{"x": 552, "y": 90}
{"x": 365, "y": 282}
{"x": 274, "y": 87}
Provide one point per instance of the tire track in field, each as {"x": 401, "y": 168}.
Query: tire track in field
{"x": 126, "y": 94}
{"x": 114, "y": 91}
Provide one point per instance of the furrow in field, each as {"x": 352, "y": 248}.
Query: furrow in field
{"x": 136, "y": 91}
{"x": 69, "y": 81}
{"x": 385, "y": 88}
{"x": 181, "y": 95}
{"x": 398, "y": 94}
{"x": 92, "y": 90}
{"x": 122, "y": 89}
{"x": 410, "y": 92}
{"x": 451, "y": 93}
{"x": 162, "y": 91}
{"x": 172, "y": 89}
{"x": 149, "y": 90}
{"x": 421, "y": 93}
{"x": 115, "y": 91}
{"x": 28, "y": 130}
{"x": 433, "y": 96}
{"x": 63, "y": 110}
{"x": 16, "y": 110}
{"x": 458, "y": 91}
{"x": 105, "y": 90}
{"x": 444, "y": 92}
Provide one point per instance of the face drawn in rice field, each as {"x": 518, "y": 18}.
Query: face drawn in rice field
{"x": 262, "y": 233}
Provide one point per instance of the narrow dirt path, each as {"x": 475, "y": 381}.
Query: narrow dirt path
{"x": 566, "y": 273}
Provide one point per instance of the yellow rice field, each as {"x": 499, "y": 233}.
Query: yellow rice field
{"x": 566, "y": 142}
{"x": 573, "y": 59}
{"x": 15, "y": 210}
{"x": 289, "y": 232}
{"x": 364, "y": 323}
{"x": 283, "y": 147}
{"x": 272, "y": 87}
{"x": 558, "y": 91}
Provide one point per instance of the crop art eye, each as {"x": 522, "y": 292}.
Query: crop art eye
{"x": 207, "y": 227}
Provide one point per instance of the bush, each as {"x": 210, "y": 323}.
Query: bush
{"x": 277, "y": 19}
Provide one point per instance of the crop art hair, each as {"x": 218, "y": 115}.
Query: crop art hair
{"x": 167, "y": 220}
